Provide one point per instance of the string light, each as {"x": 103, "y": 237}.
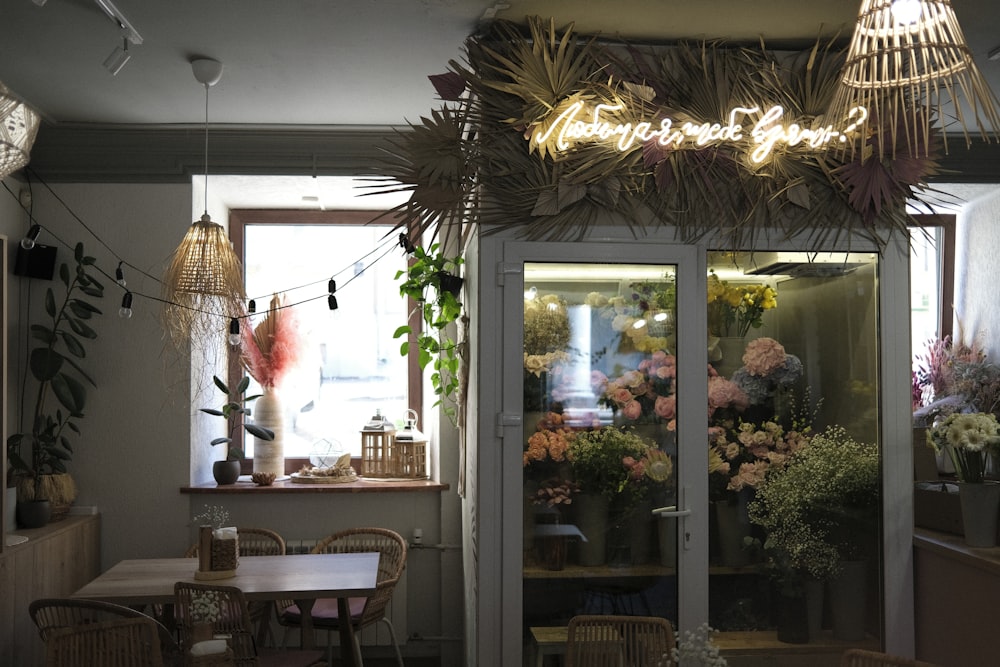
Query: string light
{"x": 28, "y": 242}
{"x": 120, "y": 275}
{"x": 125, "y": 312}
{"x": 252, "y": 307}
{"x": 234, "y": 332}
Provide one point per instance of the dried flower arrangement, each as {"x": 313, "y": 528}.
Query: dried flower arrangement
{"x": 272, "y": 348}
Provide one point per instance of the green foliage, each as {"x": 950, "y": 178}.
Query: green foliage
{"x": 597, "y": 459}
{"x": 55, "y": 365}
{"x": 431, "y": 282}
{"x": 820, "y": 508}
{"x": 234, "y": 411}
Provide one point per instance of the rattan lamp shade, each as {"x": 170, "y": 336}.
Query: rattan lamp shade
{"x": 908, "y": 74}
{"x": 18, "y": 127}
{"x": 203, "y": 287}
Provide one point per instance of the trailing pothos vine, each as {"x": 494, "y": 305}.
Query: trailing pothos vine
{"x": 432, "y": 282}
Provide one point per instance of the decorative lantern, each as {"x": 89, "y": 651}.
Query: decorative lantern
{"x": 409, "y": 453}
{"x": 376, "y": 446}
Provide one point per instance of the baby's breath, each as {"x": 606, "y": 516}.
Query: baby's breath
{"x": 696, "y": 648}
{"x": 212, "y": 515}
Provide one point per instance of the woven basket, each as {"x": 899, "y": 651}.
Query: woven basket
{"x": 225, "y": 554}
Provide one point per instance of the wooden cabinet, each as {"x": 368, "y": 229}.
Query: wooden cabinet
{"x": 55, "y": 561}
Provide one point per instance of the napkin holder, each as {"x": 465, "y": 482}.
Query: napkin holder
{"x": 218, "y": 553}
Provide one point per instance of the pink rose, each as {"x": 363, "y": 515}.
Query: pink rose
{"x": 632, "y": 410}
{"x": 665, "y": 406}
{"x": 622, "y": 396}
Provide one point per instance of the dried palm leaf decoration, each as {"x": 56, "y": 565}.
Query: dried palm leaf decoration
{"x": 18, "y": 127}
{"x": 907, "y": 69}
{"x": 203, "y": 287}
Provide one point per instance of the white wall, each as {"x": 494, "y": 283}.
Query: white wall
{"x": 135, "y": 453}
{"x": 977, "y": 249}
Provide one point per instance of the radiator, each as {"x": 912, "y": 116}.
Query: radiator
{"x": 378, "y": 634}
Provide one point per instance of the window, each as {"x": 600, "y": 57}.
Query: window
{"x": 932, "y": 279}
{"x": 350, "y": 364}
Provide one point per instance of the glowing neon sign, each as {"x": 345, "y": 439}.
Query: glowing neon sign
{"x": 578, "y": 124}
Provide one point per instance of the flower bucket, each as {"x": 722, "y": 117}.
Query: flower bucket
{"x": 980, "y": 509}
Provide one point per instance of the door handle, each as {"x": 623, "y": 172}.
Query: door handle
{"x": 671, "y": 510}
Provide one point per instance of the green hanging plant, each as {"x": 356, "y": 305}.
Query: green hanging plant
{"x": 431, "y": 281}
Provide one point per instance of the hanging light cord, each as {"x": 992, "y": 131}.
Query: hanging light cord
{"x": 206, "y": 148}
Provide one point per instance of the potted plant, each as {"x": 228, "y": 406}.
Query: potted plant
{"x": 431, "y": 282}
{"x": 234, "y": 411}
{"x": 38, "y": 457}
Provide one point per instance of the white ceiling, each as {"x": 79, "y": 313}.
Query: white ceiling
{"x": 315, "y": 64}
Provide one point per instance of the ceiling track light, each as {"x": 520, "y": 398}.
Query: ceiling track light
{"x": 115, "y": 14}
{"x": 118, "y": 58}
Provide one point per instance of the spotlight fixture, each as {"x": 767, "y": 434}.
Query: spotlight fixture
{"x": 116, "y": 61}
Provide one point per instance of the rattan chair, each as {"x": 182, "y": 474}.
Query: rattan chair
{"x": 612, "y": 641}
{"x": 255, "y": 542}
{"x": 857, "y": 657}
{"x": 122, "y": 642}
{"x": 231, "y": 619}
{"x": 364, "y": 611}
{"x": 51, "y": 615}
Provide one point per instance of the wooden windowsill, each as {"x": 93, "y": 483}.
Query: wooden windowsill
{"x": 361, "y": 486}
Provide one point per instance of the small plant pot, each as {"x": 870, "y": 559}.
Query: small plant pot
{"x": 33, "y": 513}
{"x": 450, "y": 283}
{"x": 226, "y": 472}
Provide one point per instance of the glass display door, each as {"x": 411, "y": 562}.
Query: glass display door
{"x": 612, "y": 428}
{"x": 631, "y": 504}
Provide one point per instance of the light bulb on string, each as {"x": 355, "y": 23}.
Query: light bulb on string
{"x": 234, "y": 332}
{"x": 125, "y": 312}
{"x": 28, "y": 242}
{"x": 252, "y": 307}
{"x": 120, "y": 275}
{"x": 331, "y": 302}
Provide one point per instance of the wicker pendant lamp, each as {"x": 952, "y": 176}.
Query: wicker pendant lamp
{"x": 18, "y": 127}
{"x": 203, "y": 287}
{"x": 909, "y": 66}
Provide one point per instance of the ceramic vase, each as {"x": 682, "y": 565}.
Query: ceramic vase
{"x": 980, "y": 508}
{"x": 268, "y": 412}
{"x": 226, "y": 472}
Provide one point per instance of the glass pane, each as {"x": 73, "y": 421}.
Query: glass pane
{"x": 350, "y": 365}
{"x": 599, "y": 453}
{"x": 793, "y": 444}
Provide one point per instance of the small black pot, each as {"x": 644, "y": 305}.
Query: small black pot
{"x": 226, "y": 472}
{"x": 450, "y": 283}
{"x": 33, "y": 513}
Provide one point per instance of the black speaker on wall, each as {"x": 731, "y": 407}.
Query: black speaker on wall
{"x": 39, "y": 262}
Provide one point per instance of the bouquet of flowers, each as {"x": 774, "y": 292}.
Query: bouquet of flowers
{"x": 646, "y": 394}
{"x": 969, "y": 439}
{"x": 644, "y": 318}
{"x": 750, "y": 451}
{"x": 767, "y": 368}
{"x": 817, "y": 508}
{"x": 272, "y": 348}
{"x": 697, "y": 648}
{"x": 550, "y": 442}
{"x": 546, "y": 332}
{"x": 735, "y": 309}
{"x": 604, "y": 460}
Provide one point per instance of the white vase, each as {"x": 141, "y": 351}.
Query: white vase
{"x": 269, "y": 456}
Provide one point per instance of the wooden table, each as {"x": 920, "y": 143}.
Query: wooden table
{"x": 303, "y": 578}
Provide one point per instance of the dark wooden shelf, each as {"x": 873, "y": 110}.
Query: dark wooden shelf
{"x": 288, "y": 487}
